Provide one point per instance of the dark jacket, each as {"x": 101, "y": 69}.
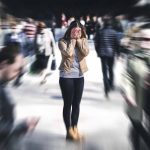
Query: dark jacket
{"x": 106, "y": 42}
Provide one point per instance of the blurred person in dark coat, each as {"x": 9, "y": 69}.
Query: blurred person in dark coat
{"x": 107, "y": 45}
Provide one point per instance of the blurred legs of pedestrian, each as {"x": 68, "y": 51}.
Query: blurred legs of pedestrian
{"x": 47, "y": 71}
{"x": 108, "y": 75}
{"x": 44, "y": 63}
{"x": 44, "y": 75}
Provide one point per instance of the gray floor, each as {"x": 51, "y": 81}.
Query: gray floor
{"x": 102, "y": 121}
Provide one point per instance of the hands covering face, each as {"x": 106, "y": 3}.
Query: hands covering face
{"x": 76, "y": 33}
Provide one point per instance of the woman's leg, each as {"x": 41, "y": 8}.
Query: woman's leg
{"x": 67, "y": 89}
{"x": 78, "y": 90}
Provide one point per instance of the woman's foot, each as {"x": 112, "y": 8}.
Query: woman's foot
{"x": 76, "y": 132}
{"x": 71, "y": 135}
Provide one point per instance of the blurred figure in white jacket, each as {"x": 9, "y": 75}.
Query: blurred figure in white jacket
{"x": 45, "y": 50}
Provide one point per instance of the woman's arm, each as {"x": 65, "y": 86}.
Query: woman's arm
{"x": 67, "y": 49}
{"x": 82, "y": 45}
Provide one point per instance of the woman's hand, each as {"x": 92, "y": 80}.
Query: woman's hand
{"x": 73, "y": 41}
{"x": 79, "y": 40}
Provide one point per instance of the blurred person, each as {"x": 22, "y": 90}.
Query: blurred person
{"x": 93, "y": 26}
{"x": 118, "y": 27}
{"x": 13, "y": 35}
{"x": 74, "y": 48}
{"x": 82, "y": 21}
{"x": 30, "y": 31}
{"x": 11, "y": 62}
{"x": 100, "y": 22}
{"x": 45, "y": 48}
{"x": 5, "y": 29}
{"x": 63, "y": 21}
{"x": 145, "y": 39}
{"x": 88, "y": 25}
{"x": 107, "y": 45}
{"x": 70, "y": 20}
{"x": 124, "y": 22}
{"x": 17, "y": 35}
{"x": 53, "y": 25}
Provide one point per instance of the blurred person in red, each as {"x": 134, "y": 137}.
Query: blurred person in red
{"x": 63, "y": 21}
{"x": 11, "y": 62}
{"x": 74, "y": 48}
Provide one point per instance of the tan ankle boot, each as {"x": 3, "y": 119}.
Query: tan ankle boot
{"x": 76, "y": 132}
{"x": 71, "y": 135}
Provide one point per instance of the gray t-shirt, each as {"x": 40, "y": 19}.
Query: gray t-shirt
{"x": 75, "y": 71}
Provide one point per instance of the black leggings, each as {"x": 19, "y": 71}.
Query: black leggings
{"x": 72, "y": 89}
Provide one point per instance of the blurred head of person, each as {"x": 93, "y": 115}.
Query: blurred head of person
{"x": 145, "y": 38}
{"x": 41, "y": 26}
{"x": 11, "y": 62}
{"x": 94, "y": 18}
{"x": 88, "y": 18}
{"x": 75, "y": 31}
{"x": 30, "y": 20}
{"x": 107, "y": 20}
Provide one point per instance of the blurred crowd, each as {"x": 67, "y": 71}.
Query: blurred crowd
{"x": 37, "y": 44}
{"x": 29, "y": 33}
{"x": 36, "y": 40}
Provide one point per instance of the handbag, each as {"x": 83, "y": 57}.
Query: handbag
{"x": 53, "y": 64}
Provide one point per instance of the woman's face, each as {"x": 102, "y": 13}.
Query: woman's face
{"x": 76, "y": 33}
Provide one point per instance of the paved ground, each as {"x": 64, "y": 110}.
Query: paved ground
{"x": 102, "y": 120}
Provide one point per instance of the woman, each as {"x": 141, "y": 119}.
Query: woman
{"x": 74, "y": 48}
{"x": 45, "y": 47}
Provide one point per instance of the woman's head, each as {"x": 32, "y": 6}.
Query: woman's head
{"x": 75, "y": 30}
